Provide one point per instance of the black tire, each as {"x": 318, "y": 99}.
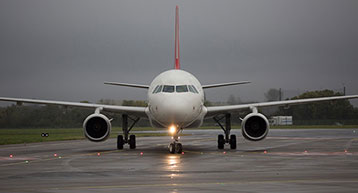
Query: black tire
{"x": 233, "y": 142}
{"x": 178, "y": 148}
{"x": 120, "y": 142}
{"x": 172, "y": 148}
{"x": 221, "y": 142}
{"x": 132, "y": 142}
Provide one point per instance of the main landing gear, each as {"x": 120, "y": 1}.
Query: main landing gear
{"x": 227, "y": 128}
{"x": 175, "y": 146}
{"x": 129, "y": 140}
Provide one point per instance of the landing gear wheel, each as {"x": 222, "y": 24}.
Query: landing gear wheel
{"x": 221, "y": 141}
{"x": 120, "y": 142}
{"x": 233, "y": 142}
{"x": 178, "y": 148}
{"x": 172, "y": 148}
{"x": 132, "y": 143}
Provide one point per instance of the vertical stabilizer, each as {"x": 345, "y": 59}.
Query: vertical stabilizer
{"x": 177, "y": 55}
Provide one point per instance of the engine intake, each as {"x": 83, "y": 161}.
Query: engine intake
{"x": 255, "y": 126}
{"x": 97, "y": 127}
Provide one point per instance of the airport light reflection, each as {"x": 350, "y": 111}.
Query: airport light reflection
{"x": 173, "y": 162}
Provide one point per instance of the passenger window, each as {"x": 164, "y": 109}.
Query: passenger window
{"x": 168, "y": 88}
{"x": 155, "y": 90}
{"x": 181, "y": 88}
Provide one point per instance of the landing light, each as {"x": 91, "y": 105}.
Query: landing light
{"x": 172, "y": 129}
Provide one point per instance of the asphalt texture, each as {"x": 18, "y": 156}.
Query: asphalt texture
{"x": 292, "y": 160}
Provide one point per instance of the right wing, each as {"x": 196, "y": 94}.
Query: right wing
{"x": 137, "y": 111}
{"x": 213, "y": 111}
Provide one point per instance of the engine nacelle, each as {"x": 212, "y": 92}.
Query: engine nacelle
{"x": 255, "y": 127}
{"x": 97, "y": 127}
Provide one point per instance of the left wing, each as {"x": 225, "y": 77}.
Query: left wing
{"x": 212, "y": 111}
{"x": 137, "y": 111}
{"x": 224, "y": 84}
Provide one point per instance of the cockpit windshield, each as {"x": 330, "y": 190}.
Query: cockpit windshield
{"x": 172, "y": 89}
{"x": 168, "y": 88}
{"x": 181, "y": 88}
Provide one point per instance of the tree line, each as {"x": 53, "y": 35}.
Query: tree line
{"x": 327, "y": 112}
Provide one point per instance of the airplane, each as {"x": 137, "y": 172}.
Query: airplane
{"x": 176, "y": 102}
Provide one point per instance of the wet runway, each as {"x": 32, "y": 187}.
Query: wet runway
{"x": 307, "y": 160}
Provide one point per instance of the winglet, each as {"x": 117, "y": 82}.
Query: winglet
{"x": 176, "y": 60}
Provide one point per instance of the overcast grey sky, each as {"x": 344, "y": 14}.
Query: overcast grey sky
{"x": 66, "y": 49}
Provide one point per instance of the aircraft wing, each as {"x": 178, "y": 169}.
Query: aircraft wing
{"x": 137, "y": 111}
{"x": 127, "y": 84}
{"x": 224, "y": 84}
{"x": 212, "y": 111}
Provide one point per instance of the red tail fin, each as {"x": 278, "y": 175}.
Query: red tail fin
{"x": 177, "y": 62}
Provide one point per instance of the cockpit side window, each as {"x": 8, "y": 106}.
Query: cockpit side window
{"x": 168, "y": 88}
{"x": 155, "y": 90}
{"x": 159, "y": 89}
{"x": 193, "y": 89}
{"x": 181, "y": 88}
{"x": 196, "y": 91}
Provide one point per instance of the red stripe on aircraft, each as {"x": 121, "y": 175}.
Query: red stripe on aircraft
{"x": 177, "y": 62}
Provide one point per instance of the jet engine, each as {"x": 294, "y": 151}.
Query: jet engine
{"x": 97, "y": 127}
{"x": 255, "y": 127}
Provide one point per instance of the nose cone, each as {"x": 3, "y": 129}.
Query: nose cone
{"x": 176, "y": 110}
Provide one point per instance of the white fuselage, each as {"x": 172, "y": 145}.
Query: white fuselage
{"x": 176, "y": 97}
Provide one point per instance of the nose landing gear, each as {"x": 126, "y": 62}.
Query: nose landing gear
{"x": 175, "y": 146}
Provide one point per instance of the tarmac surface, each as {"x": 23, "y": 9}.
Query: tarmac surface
{"x": 292, "y": 160}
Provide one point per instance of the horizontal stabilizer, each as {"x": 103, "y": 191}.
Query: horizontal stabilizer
{"x": 128, "y": 85}
{"x": 224, "y": 84}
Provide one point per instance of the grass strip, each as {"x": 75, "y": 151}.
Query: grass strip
{"x": 19, "y": 136}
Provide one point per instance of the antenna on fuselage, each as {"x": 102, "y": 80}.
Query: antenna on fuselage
{"x": 176, "y": 49}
